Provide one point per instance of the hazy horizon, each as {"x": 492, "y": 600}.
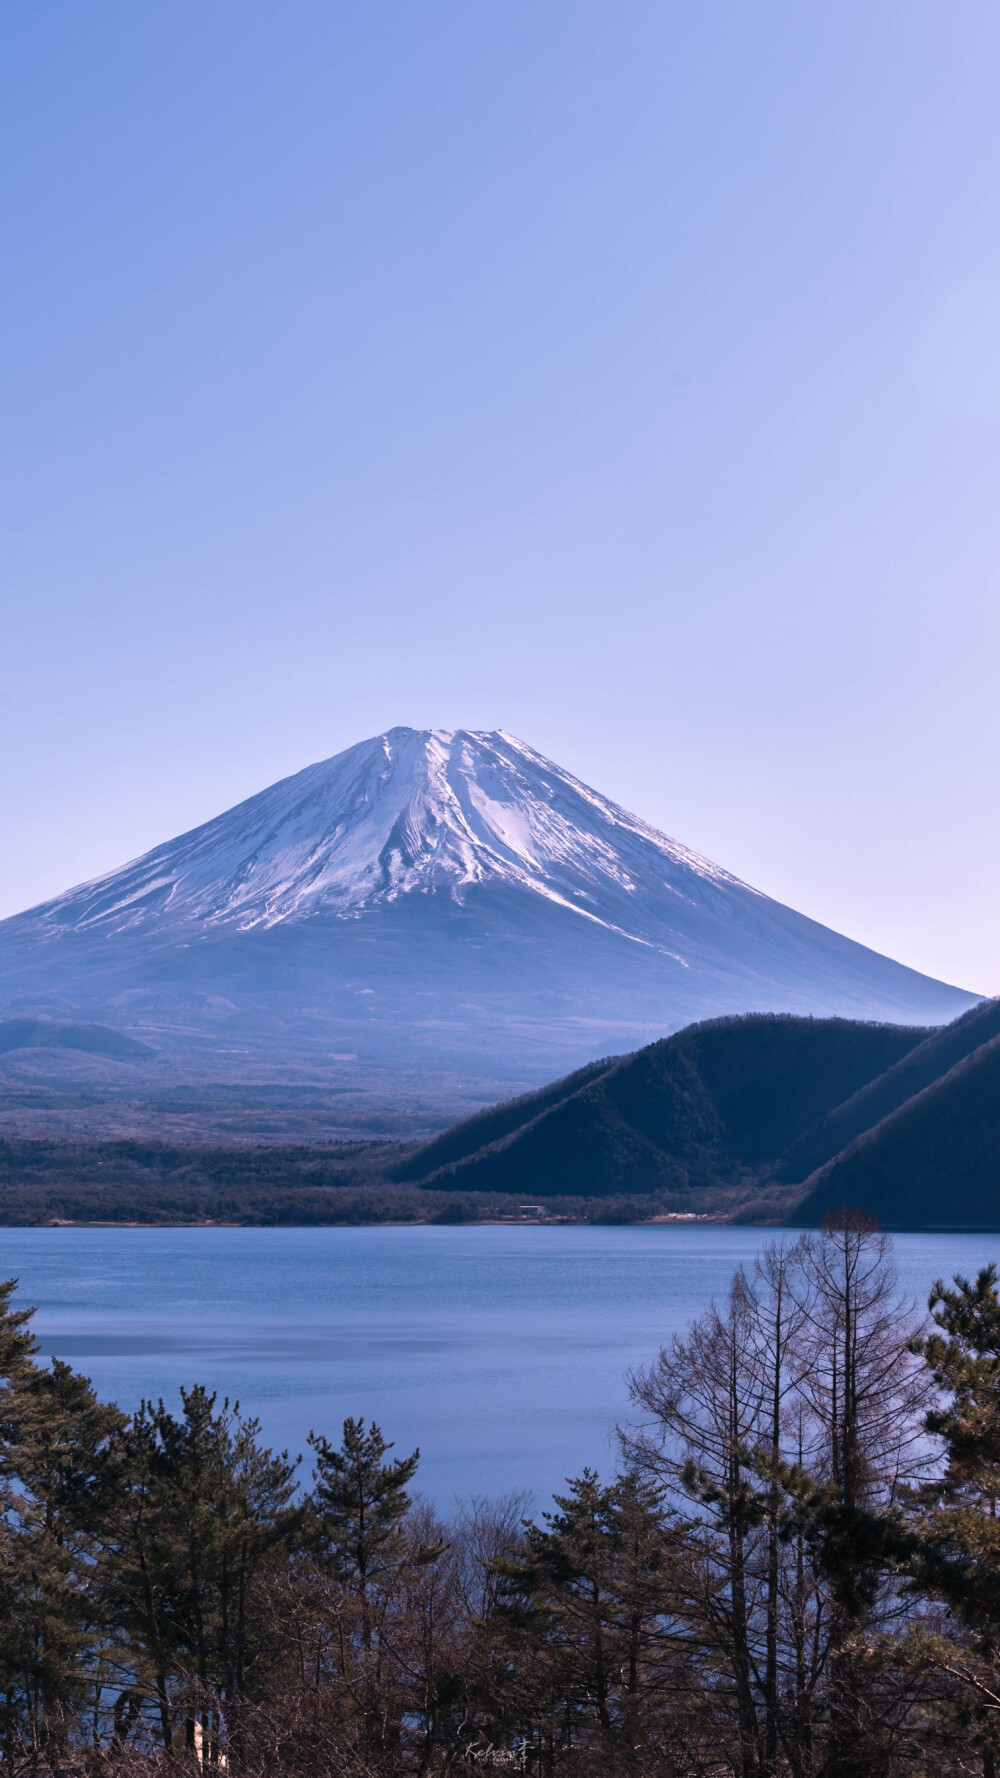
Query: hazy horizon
{"x": 625, "y": 378}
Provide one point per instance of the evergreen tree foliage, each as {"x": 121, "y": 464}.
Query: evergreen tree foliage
{"x": 359, "y": 1502}
{"x": 956, "y": 1555}
{"x": 795, "y": 1574}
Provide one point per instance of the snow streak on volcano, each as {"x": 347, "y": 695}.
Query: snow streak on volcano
{"x": 445, "y": 898}
{"x": 406, "y": 813}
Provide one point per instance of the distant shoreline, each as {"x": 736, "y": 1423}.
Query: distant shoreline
{"x": 681, "y": 1220}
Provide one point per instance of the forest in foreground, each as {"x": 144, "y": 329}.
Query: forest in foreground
{"x": 794, "y": 1573}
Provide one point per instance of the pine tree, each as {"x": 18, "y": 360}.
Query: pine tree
{"x": 204, "y": 1508}
{"x": 957, "y": 1555}
{"x": 57, "y": 1460}
{"x": 358, "y": 1511}
{"x": 964, "y": 1358}
{"x": 590, "y": 1623}
{"x": 359, "y": 1503}
{"x": 66, "y": 1462}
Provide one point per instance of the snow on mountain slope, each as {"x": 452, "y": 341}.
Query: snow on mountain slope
{"x": 435, "y": 900}
{"x": 408, "y": 812}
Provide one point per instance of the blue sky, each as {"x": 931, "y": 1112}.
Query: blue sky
{"x": 627, "y": 376}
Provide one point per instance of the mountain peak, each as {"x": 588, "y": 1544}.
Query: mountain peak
{"x": 409, "y": 811}
{"x": 434, "y": 899}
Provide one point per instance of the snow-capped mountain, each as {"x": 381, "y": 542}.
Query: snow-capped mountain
{"x": 407, "y": 813}
{"x": 447, "y": 899}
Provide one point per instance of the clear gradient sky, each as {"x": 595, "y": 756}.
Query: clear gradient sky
{"x": 626, "y": 375}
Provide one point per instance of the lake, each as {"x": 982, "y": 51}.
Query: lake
{"x": 501, "y": 1351}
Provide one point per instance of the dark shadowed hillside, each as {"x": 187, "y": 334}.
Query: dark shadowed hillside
{"x": 771, "y": 1079}
{"x": 933, "y": 1163}
{"x": 939, "y": 1052}
{"x": 91, "y": 1040}
{"x": 711, "y": 1106}
{"x": 725, "y": 1118}
{"x": 497, "y": 1121}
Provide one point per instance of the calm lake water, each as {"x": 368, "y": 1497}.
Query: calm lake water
{"x": 501, "y": 1351}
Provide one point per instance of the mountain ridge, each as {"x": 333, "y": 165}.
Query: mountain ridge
{"x": 727, "y": 1117}
{"x": 933, "y": 1161}
{"x": 719, "y": 1120}
{"x": 441, "y": 901}
{"x": 404, "y": 812}
{"x": 713, "y": 1106}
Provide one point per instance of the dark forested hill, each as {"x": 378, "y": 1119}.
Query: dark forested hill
{"x": 716, "y": 1104}
{"x": 931, "y": 1059}
{"x": 900, "y": 1122}
{"x": 933, "y": 1163}
{"x": 497, "y": 1121}
{"x": 764, "y": 1117}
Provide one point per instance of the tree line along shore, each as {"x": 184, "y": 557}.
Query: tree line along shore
{"x": 793, "y": 1573}
{"x": 764, "y": 1117}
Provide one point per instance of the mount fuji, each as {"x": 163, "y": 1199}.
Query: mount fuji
{"x": 448, "y": 906}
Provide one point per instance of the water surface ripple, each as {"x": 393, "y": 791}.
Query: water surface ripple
{"x": 501, "y": 1351}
